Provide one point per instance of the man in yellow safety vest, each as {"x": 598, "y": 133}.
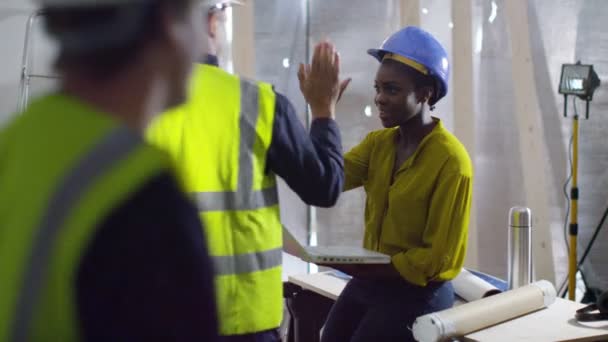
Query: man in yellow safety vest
{"x": 228, "y": 142}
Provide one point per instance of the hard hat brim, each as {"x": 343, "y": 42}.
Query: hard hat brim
{"x": 226, "y": 2}
{"x": 377, "y": 53}
{"x": 78, "y": 4}
{"x": 234, "y": 3}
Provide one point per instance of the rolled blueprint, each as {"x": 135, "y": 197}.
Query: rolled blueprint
{"x": 470, "y": 287}
{"x": 483, "y": 313}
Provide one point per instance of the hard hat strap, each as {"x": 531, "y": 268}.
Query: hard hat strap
{"x": 413, "y": 64}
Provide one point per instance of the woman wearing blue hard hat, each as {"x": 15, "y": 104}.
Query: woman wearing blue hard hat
{"x": 418, "y": 180}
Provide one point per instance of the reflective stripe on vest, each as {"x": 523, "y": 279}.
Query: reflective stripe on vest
{"x": 219, "y": 142}
{"x": 247, "y": 263}
{"x": 244, "y": 198}
{"x": 112, "y": 148}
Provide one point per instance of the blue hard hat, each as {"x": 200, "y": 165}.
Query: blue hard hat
{"x": 420, "y": 50}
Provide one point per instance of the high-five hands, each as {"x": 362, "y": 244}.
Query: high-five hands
{"x": 320, "y": 81}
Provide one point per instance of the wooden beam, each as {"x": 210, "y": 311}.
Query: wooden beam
{"x": 243, "y": 43}
{"x": 531, "y": 137}
{"x": 464, "y": 105}
{"x": 410, "y": 13}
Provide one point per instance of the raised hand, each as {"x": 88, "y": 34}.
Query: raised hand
{"x": 320, "y": 82}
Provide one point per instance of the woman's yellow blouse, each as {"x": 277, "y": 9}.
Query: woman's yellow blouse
{"x": 421, "y": 218}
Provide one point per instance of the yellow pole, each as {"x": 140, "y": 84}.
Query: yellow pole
{"x": 572, "y": 264}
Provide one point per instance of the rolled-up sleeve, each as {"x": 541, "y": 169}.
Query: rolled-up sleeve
{"x": 310, "y": 163}
{"x": 445, "y": 235}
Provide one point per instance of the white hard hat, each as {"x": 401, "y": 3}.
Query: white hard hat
{"x": 84, "y": 3}
{"x": 220, "y": 3}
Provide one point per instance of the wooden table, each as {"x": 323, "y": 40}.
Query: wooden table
{"x": 555, "y": 323}
{"x": 310, "y": 296}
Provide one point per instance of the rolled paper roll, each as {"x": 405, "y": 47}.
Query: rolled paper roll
{"x": 483, "y": 313}
{"x": 470, "y": 287}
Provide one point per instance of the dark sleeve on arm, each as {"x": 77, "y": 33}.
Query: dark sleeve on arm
{"x": 310, "y": 163}
{"x": 146, "y": 274}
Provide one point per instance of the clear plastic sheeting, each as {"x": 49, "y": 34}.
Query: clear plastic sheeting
{"x": 568, "y": 31}
{"x": 498, "y": 167}
{"x": 560, "y": 32}
{"x": 12, "y": 28}
{"x": 592, "y": 48}
{"x": 280, "y": 45}
{"x": 354, "y": 26}
{"x": 13, "y": 23}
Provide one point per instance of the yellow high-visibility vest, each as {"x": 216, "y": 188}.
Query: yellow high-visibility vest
{"x": 64, "y": 168}
{"x": 219, "y": 141}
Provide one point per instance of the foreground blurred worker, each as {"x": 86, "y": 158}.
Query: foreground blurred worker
{"x": 96, "y": 240}
{"x": 229, "y": 141}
